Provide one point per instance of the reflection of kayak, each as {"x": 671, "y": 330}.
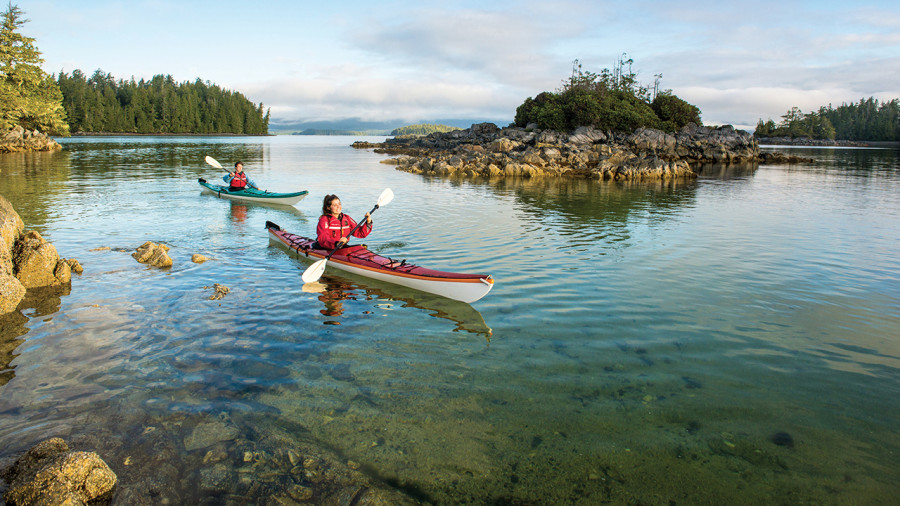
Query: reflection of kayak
{"x": 359, "y": 260}
{"x": 337, "y": 288}
{"x": 254, "y": 195}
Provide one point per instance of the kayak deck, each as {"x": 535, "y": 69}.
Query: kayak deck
{"x": 360, "y": 260}
{"x": 253, "y": 194}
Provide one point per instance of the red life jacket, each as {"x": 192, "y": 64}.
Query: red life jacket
{"x": 239, "y": 180}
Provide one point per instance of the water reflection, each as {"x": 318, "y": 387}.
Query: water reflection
{"x": 335, "y": 289}
{"x": 238, "y": 212}
{"x": 32, "y": 182}
{"x": 12, "y": 328}
{"x": 582, "y": 202}
{"x": 726, "y": 171}
{"x": 44, "y": 301}
{"x": 37, "y": 303}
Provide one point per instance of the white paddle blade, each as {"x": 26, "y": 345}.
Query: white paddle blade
{"x": 212, "y": 161}
{"x": 386, "y": 197}
{"x": 314, "y": 271}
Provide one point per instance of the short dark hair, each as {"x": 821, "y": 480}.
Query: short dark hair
{"x": 238, "y": 163}
{"x": 326, "y": 203}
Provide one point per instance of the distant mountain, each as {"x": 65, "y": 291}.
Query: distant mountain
{"x": 357, "y": 126}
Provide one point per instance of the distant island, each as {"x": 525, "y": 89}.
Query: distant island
{"x": 848, "y": 124}
{"x": 417, "y": 129}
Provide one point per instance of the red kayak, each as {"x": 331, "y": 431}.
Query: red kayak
{"x": 359, "y": 260}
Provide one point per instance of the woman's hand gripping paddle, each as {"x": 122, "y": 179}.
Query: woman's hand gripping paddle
{"x": 314, "y": 271}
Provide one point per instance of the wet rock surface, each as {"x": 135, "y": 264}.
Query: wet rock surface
{"x": 155, "y": 255}
{"x": 51, "y": 473}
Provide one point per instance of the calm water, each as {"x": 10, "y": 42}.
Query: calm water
{"x": 734, "y": 339}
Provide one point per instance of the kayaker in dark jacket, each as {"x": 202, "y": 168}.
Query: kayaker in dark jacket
{"x": 238, "y": 179}
{"x": 334, "y": 226}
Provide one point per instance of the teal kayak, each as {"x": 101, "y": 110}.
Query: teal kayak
{"x": 253, "y": 194}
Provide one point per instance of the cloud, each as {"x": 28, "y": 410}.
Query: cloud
{"x": 510, "y": 46}
{"x": 375, "y": 99}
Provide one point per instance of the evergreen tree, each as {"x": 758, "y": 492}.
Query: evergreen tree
{"x": 160, "y": 105}
{"x": 867, "y": 120}
{"x": 29, "y": 97}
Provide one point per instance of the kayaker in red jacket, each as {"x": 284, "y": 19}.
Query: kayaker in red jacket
{"x": 238, "y": 179}
{"x": 334, "y": 226}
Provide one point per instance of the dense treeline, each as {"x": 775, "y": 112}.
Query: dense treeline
{"x": 612, "y": 100}
{"x": 423, "y": 129}
{"x": 867, "y": 120}
{"x": 158, "y": 106}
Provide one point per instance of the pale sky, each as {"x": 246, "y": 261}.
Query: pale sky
{"x": 422, "y": 60}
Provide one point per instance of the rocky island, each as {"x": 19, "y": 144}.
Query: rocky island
{"x": 646, "y": 154}
{"x": 19, "y": 139}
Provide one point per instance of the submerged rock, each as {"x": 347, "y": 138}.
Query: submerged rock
{"x": 50, "y": 473}
{"x": 208, "y": 434}
{"x": 220, "y": 291}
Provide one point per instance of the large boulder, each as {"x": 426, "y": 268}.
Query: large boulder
{"x": 50, "y": 473}
{"x": 11, "y": 225}
{"x": 11, "y": 293}
{"x": 36, "y": 262}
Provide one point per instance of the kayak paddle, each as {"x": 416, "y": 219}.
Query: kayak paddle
{"x": 314, "y": 271}
{"x": 212, "y": 161}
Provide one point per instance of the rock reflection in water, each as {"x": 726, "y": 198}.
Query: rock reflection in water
{"x": 12, "y": 328}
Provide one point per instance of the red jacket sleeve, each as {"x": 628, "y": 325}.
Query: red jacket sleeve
{"x": 324, "y": 235}
{"x": 362, "y": 231}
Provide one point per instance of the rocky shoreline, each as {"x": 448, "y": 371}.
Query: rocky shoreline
{"x": 647, "y": 154}
{"x": 19, "y": 139}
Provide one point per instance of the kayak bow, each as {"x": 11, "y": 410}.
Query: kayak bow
{"x": 253, "y": 194}
{"x": 357, "y": 259}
